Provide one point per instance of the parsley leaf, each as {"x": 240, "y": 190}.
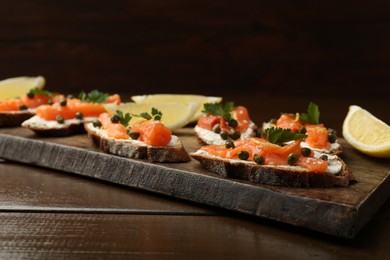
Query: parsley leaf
{"x": 218, "y": 109}
{"x": 277, "y": 135}
{"x": 313, "y": 114}
{"x": 154, "y": 115}
{"x": 38, "y": 91}
{"x": 123, "y": 118}
{"x": 95, "y": 96}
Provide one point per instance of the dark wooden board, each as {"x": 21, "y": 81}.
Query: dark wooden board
{"x": 336, "y": 211}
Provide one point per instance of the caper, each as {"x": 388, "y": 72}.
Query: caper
{"x": 63, "y": 102}
{"x": 292, "y": 158}
{"x": 302, "y": 130}
{"x": 224, "y": 135}
{"x": 134, "y": 135}
{"x": 115, "y": 119}
{"x": 216, "y": 128}
{"x": 22, "y": 107}
{"x": 258, "y": 159}
{"x": 79, "y": 115}
{"x": 332, "y": 135}
{"x": 235, "y": 134}
{"x": 30, "y": 95}
{"x": 243, "y": 155}
{"x": 306, "y": 151}
{"x": 97, "y": 123}
{"x": 233, "y": 122}
{"x": 229, "y": 144}
{"x": 60, "y": 119}
{"x": 324, "y": 157}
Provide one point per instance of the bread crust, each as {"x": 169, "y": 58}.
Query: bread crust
{"x": 274, "y": 175}
{"x": 151, "y": 153}
{"x": 14, "y": 118}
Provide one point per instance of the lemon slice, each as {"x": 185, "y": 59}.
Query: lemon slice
{"x": 180, "y": 98}
{"x": 19, "y": 86}
{"x": 366, "y": 133}
{"x": 174, "y": 115}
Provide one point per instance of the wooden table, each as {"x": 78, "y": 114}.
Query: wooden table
{"x": 48, "y": 214}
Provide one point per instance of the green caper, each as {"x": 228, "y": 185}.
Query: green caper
{"x": 63, "y": 102}
{"x": 243, "y": 155}
{"x": 324, "y": 157}
{"x": 235, "y": 134}
{"x": 30, "y": 95}
{"x": 302, "y": 130}
{"x": 60, "y": 119}
{"x": 229, "y": 144}
{"x": 233, "y": 122}
{"x": 306, "y": 151}
{"x": 115, "y": 119}
{"x": 134, "y": 135}
{"x": 79, "y": 115}
{"x": 97, "y": 123}
{"x": 216, "y": 128}
{"x": 258, "y": 159}
{"x": 22, "y": 107}
{"x": 224, "y": 135}
{"x": 332, "y": 135}
{"x": 292, "y": 158}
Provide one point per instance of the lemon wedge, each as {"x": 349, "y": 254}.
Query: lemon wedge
{"x": 180, "y": 98}
{"x": 19, "y": 86}
{"x": 174, "y": 115}
{"x": 366, "y": 133}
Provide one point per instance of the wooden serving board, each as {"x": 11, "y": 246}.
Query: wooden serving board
{"x": 336, "y": 211}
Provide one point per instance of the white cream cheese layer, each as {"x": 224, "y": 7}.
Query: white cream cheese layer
{"x": 40, "y": 123}
{"x": 210, "y": 137}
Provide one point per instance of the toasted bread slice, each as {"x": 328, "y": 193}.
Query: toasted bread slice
{"x": 15, "y": 118}
{"x": 292, "y": 176}
{"x": 51, "y": 128}
{"x": 174, "y": 152}
{"x": 335, "y": 147}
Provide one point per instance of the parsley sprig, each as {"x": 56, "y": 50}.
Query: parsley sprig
{"x": 38, "y": 91}
{"x": 279, "y": 136}
{"x": 313, "y": 114}
{"x": 123, "y": 118}
{"x": 95, "y": 96}
{"x": 218, "y": 109}
{"x": 155, "y": 114}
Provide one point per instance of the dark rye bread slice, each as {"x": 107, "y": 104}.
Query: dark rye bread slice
{"x": 274, "y": 175}
{"x": 338, "y": 151}
{"x": 175, "y": 153}
{"x": 53, "y": 129}
{"x": 14, "y": 118}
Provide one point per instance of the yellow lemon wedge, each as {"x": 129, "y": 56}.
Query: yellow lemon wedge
{"x": 366, "y": 133}
{"x": 180, "y": 98}
{"x": 19, "y": 86}
{"x": 174, "y": 115}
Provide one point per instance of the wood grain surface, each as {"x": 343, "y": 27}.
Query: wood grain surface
{"x": 338, "y": 211}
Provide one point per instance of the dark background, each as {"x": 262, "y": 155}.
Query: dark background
{"x": 208, "y": 47}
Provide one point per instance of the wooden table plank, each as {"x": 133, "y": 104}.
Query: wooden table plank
{"x": 337, "y": 211}
{"x": 33, "y": 189}
{"x": 91, "y": 236}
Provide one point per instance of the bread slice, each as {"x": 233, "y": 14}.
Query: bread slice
{"x": 51, "y": 128}
{"x": 291, "y": 176}
{"x": 336, "y": 148}
{"x": 174, "y": 152}
{"x": 15, "y": 118}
